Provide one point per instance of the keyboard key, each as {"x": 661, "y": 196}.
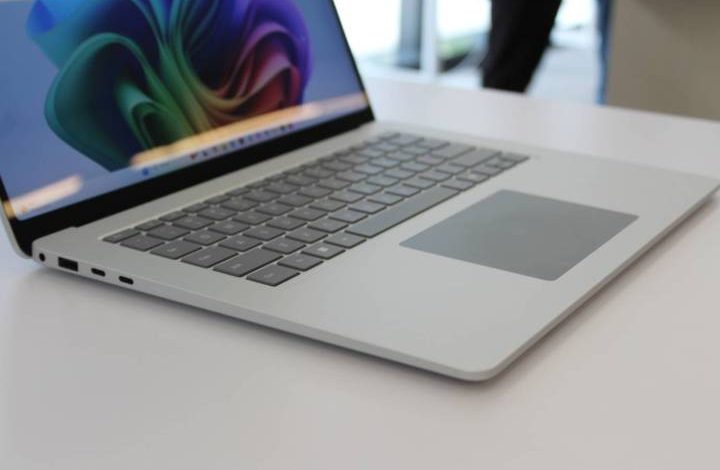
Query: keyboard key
{"x": 401, "y": 156}
{"x": 196, "y": 208}
{"x": 314, "y": 192}
{"x": 176, "y": 250}
{"x": 487, "y": 170}
{"x": 387, "y": 135}
{"x": 301, "y": 262}
{"x": 399, "y": 173}
{"x": 274, "y": 208}
{"x": 307, "y": 214}
{"x": 453, "y": 150}
{"x": 404, "y": 139}
{"x": 120, "y": 236}
{"x": 346, "y": 196}
{"x": 295, "y": 200}
{"x": 436, "y": 176}
{"x": 273, "y": 276}
{"x": 258, "y": 184}
{"x": 430, "y": 160}
{"x": 307, "y": 235}
{"x": 323, "y": 251}
{"x": 385, "y": 147}
{"x": 209, "y": 257}
{"x": 351, "y": 176}
{"x": 500, "y": 163}
{"x": 450, "y": 168}
{"x": 432, "y": 144}
{"x": 516, "y": 157}
{"x": 238, "y": 191}
{"x": 229, "y": 227}
{"x": 218, "y": 199}
{"x": 367, "y": 207}
{"x": 372, "y": 152}
{"x": 357, "y": 159}
{"x": 249, "y": 262}
{"x": 286, "y": 223}
{"x": 252, "y": 218}
{"x": 318, "y": 173}
{"x": 168, "y": 232}
{"x": 381, "y": 180}
{"x": 193, "y": 222}
{"x": 281, "y": 188}
{"x": 404, "y": 191}
{"x": 365, "y": 188}
{"x": 327, "y": 205}
{"x": 333, "y": 183}
{"x": 261, "y": 196}
{"x": 386, "y": 199}
{"x": 205, "y": 238}
{"x": 415, "y": 167}
{"x": 384, "y": 162}
{"x": 473, "y": 177}
{"x": 217, "y": 213}
{"x": 142, "y": 243}
{"x": 348, "y": 216}
{"x": 263, "y": 233}
{"x": 149, "y": 225}
{"x": 420, "y": 183}
{"x": 240, "y": 243}
{"x": 173, "y": 216}
{"x": 402, "y": 212}
{"x": 458, "y": 185}
{"x": 284, "y": 246}
{"x": 345, "y": 240}
{"x": 369, "y": 169}
{"x": 337, "y": 165}
{"x": 475, "y": 158}
{"x": 239, "y": 205}
{"x": 300, "y": 180}
{"x": 328, "y": 225}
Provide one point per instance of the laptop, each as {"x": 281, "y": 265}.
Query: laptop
{"x": 224, "y": 154}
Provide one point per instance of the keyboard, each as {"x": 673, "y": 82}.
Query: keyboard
{"x": 272, "y": 231}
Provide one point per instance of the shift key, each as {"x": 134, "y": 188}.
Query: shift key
{"x": 402, "y": 212}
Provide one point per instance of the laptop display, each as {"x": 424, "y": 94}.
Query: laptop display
{"x": 98, "y": 95}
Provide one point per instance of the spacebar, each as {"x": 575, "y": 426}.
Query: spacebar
{"x": 402, "y": 212}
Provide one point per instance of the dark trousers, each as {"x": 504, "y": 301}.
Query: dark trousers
{"x": 519, "y": 35}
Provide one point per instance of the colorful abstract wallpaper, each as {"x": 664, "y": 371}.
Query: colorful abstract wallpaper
{"x": 136, "y": 74}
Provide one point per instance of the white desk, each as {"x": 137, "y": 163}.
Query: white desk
{"x": 100, "y": 379}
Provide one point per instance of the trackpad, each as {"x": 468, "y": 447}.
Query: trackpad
{"x": 524, "y": 234}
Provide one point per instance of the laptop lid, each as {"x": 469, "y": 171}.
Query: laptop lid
{"x": 107, "y": 104}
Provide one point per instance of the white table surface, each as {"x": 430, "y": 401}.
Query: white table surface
{"x": 93, "y": 377}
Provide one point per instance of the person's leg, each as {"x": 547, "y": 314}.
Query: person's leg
{"x": 604, "y": 19}
{"x": 519, "y": 35}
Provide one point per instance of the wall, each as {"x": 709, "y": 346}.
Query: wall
{"x": 666, "y": 56}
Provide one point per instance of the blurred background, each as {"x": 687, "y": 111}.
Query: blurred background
{"x": 663, "y": 54}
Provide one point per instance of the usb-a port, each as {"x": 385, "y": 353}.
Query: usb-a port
{"x": 68, "y": 264}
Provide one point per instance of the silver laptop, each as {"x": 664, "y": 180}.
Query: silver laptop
{"x": 224, "y": 154}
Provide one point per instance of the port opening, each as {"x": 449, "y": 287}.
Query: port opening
{"x": 68, "y": 264}
{"x": 126, "y": 280}
{"x": 98, "y": 272}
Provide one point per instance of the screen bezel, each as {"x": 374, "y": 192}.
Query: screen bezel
{"x": 27, "y": 231}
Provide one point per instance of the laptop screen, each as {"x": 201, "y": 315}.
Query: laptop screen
{"x": 98, "y": 95}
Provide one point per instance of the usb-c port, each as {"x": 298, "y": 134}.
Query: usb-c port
{"x": 98, "y": 272}
{"x": 126, "y": 280}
